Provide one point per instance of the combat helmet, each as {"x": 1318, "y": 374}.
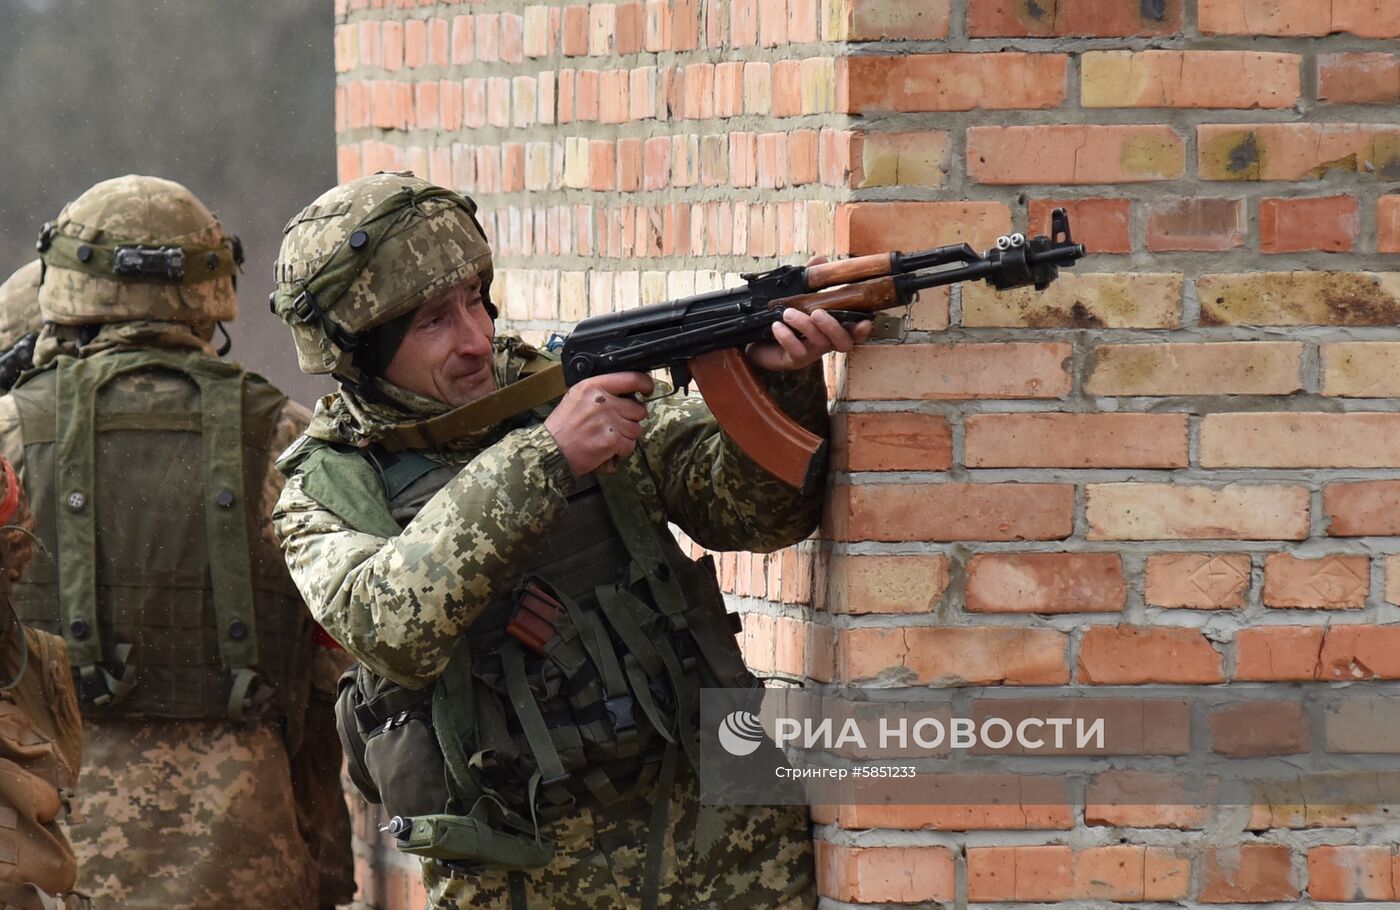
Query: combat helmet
{"x": 366, "y": 253}
{"x": 19, "y": 304}
{"x": 138, "y": 248}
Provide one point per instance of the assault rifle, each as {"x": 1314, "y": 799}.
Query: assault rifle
{"x": 703, "y": 337}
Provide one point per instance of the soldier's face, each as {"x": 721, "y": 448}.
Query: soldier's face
{"x": 446, "y": 353}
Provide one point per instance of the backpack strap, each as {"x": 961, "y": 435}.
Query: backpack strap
{"x": 226, "y": 526}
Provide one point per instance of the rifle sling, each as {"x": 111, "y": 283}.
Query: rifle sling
{"x": 502, "y": 404}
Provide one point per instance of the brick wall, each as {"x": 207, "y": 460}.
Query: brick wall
{"x": 1173, "y": 467}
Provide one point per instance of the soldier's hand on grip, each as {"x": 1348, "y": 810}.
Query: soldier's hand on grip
{"x": 598, "y": 419}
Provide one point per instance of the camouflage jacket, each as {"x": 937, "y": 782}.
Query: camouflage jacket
{"x": 400, "y": 603}
{"x": 195, "y": 813}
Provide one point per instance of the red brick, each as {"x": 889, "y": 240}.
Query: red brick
{"x": 803, "y": 167}
{"x": 1076, "y": 440}
{"x": 1128, "y": 655}
{"x": 787, "y": 88}
{"x": 1091, "y": 18}
{"x": 1259, "y": 728}
{"x": 1071, "y": 154}
{"x": 1329, "y": 224}
{"x": 1194, "y": 224}
{"x": 1352, "y": 873}
{"x": 574, "y": 42}
{"x": 347, "y": 163}
{"x": 950, "y": 82}
{"x": 1048, "y": 807}
{"x": 657, "y": 31}
{"x": 1140, "y": 799}
{"x": 1041, "y": 873}
{"x": 881, "y": 20}
{"x": 1357, "y": 78}
{"x": 488, "y": 38}
{"x": 1388, "y": 224}
{"x": 1198, "y": 581}
{"x": 1249, "y": 873}
{"x": 893, "y": 441}
{"x": 415, "y": 43}
{"x": 879, "y": 874}
{"x": 1210, "y": 368}
{"x": 371, "y": 51}
{"x": 1301, "y": 440}
{"x": 1045, "y": 583}
{"x": 772, "y": 23}
{"x": 1174, "y": 511}
{"x": 1296, "y": 151}
{"x": 391, "y": 45}
{"x": 964, "y": 370}
{"x": 1363, "y": 509}
{"x": 952, "y": 511}
{"x": 923, "y": 655}
{"x": 802, "y": 21}
{"x": 426, "y": 104}
{"x": 1279, "y": 653}
{"x": 1100, "y": 224}
{"x": 1364, "y": 18}
{"x": 512, "y": 47}
{"x": 463, "y": 40}
{"x": 1330, "y": 582}
{"x": 1190, "y": 79}
{"x": 630, "y": 25}
{"x": 871, "y": 227}
{"x": 884, "y": 584}
{"x": 1334, "y": 653}
{"x": 743, "y": 22}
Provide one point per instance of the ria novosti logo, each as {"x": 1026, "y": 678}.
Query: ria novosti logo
{"x": 741, "y": 733}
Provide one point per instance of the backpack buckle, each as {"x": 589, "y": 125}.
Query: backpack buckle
{"x": 622, "y": 711}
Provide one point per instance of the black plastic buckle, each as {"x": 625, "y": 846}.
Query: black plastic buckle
{"x": 304, "y": 306}
{"x": 93, "y": 686}
{"x": 45, "y": 237}
{"x": 622, "y": 711}
{"x": 236, "y": 246}
{"x": 163, "y": 262}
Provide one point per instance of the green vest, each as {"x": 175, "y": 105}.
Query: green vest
{"x": 147, "y": 496}
{"x": 640, "y": 629}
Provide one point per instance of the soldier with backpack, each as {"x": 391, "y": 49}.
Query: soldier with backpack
{"x": 148, "y": 463}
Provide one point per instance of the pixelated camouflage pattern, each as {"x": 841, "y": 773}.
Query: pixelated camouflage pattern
{"x": 139, "y": 210}
{"x": 716, "y": 857}
{"x": 19, "y": 304}
{"x": 207, "y": 813}
{"x": 190, "y": 814}
{"x": 433, "y": 248}
{"x": 400, "y": 604}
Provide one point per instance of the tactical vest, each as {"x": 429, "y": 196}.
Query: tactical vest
{"x": 577, "y": 684}
{"x": 145, "y": 472}
{"x": 40, "y": 748}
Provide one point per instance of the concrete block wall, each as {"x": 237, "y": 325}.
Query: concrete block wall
{"x": 1175, "y": 467}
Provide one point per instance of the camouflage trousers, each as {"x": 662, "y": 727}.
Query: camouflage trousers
{"x": 188, "y": 815}
{"x": 755, "y": 857}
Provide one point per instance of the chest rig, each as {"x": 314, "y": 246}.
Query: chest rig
{"x": 145, "y": 472}
{"x": 577, "y": 685}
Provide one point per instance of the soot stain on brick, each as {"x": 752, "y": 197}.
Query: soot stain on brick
{"x": 1244, "y": 155}
{"x": 1078, "y": 316}
{"x": 1390, "y": 168}
{"x": 1361, "y": 308}
{"x": 1035, "y": 10}
{"x": 1155, "y": 10}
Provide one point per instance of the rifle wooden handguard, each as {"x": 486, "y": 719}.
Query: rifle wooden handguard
{"x": 779, "y": 444}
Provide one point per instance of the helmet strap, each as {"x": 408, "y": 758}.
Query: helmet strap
{"x": 228, "y": 340}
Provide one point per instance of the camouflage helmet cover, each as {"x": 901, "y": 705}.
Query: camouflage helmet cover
{"x": 19, "y": 304}
{"x": 83, "y": 286}
{"x": 367, "y": 252}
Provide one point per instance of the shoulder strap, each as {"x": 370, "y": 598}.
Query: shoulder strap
{"x": 221, "y": 427}
{"x": 530, "y": 391}
{"x": 642, "y": 540}
{"x": 402, "y": 469}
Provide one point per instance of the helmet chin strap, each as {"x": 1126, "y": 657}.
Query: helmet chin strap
{"x": 228, "y": 340}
